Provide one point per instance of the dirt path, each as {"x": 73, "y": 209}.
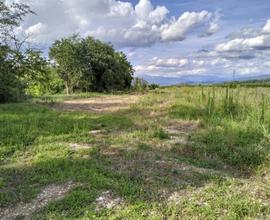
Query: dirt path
{"x": 100, "y": 104}
{"x": 47, "y": 195}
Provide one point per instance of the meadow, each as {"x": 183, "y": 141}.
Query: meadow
{"x": 187, "y": 152}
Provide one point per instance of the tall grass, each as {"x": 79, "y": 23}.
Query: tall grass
{"x": 237, "y": 122}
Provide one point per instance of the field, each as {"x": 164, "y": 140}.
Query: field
{"x": 171, "y": 153}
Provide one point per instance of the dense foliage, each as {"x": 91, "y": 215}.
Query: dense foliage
{"x": 77, "y": 64}
{"x": 20, "y": 67}
{"x": 90, "y": 65}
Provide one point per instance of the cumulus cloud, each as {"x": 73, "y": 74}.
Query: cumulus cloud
{"x": 259, "y": 42}
{"x": 213, "y": 25}
{"x": 249, "y": 40}
{"x": 203, "y": 63}
{"x": 38, "y": 30}
{"x": 266, "y": 28}
{"x": 152, "y": 70}
{"x": 172, "y": 67}
{"x": 170, "y": 62}
{"x": 119, "y": 22}
{"x": 177, "y": 29}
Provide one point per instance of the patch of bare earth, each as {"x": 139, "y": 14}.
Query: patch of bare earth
{"x": 76, "y": 147}
{"x": 179, "y": 131}
{"x": 100, "y": 104}
{"x": 108, "y": 200}
{"x": 97, "y": 132}
{"x": 178, "y": 127}
{"x": 145, "y": 166}
{"x": 178, "y": 196}
{"x": 48, "y": 194}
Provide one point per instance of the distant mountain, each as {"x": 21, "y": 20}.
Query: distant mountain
{"x": 196, "y": 79}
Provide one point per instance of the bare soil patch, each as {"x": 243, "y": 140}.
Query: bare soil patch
{"x": 97, "y": 132}
{"x": 178, "y": 140}
{"x": 180, "y": 131}
{"x": 48, "y": 194}
{"x": 182, "y": 127}
{"x": 108, "y": 200}
{"x": 76, "y": 146}
{"x": 100, "y": 104}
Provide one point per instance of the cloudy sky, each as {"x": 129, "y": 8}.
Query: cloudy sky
{"x": 167, "y": 41}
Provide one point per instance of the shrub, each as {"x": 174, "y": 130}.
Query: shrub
{"x": 153, "y": 86}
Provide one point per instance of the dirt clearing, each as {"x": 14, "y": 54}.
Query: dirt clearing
{"x": 100, "y": 104}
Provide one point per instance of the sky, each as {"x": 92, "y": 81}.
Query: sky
{"x": 167, "y": 41}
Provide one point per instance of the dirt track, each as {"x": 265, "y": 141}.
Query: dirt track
{"x": 101, "y": 104}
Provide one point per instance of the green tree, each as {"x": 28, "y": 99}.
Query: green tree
{"x": 71, "y": 62}
{"x": 18, "y": 65}
{"x": 111, "y": 70}
{"x": 90, "y": 65}
{"x": 10, "y": 85}
{"x": 37, "y": 74}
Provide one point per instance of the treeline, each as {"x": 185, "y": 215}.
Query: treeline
{"x": 247, "y": 83}
{"x": 74, "y": 63}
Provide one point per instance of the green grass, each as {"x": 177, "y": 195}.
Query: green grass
{"x": 136, "y": 160}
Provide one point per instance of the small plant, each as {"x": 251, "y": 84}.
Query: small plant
{"x": 144, "y": 146}
{"x": 161, "y": 134}
{"x": 203, "y": 94}
{"x": 211, "y": 102}
{"x": 263, "y": 109}
{"x": 230, "y": 103}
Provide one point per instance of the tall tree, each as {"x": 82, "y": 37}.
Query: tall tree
{"x": 70, "y": 61}
{"x": 91, "y": 65}
{"x": 111, "y": 69}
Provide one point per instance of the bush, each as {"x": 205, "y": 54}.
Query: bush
{"x": 140, "y": 84}
{"x": 11, "y": 88}
{"x": 153, "y": 86}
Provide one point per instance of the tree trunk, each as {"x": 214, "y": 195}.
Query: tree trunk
{"x": 67, "y": 89}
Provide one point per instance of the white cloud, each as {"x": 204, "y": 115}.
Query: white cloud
{"x": 259, "y": 40}
{"x": 267, "y": 63}
{"x": 266, "y": 28}
{"x": 171, "y": 67}
{"x": 247, "y": 70}
{"x": 262, "y": 41}
{"x": 213, "y": 26}
{"x": 119, "y": 22}
{"x": 217, "y": 61}
{"x": 202, "y": 64}
{"x": 152, "y": 70}
{"x": 36, "y": 31}
{"x": 198, "y": 62}
{"x": 121, "y": 9}
{"x": 171, "y": 62}
{"x": 177, "y": 29}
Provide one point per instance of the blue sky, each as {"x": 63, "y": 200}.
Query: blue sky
{"x": 166, "y": 41}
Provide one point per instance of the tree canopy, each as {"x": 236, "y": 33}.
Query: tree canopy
{"x": 90, "y": 65}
